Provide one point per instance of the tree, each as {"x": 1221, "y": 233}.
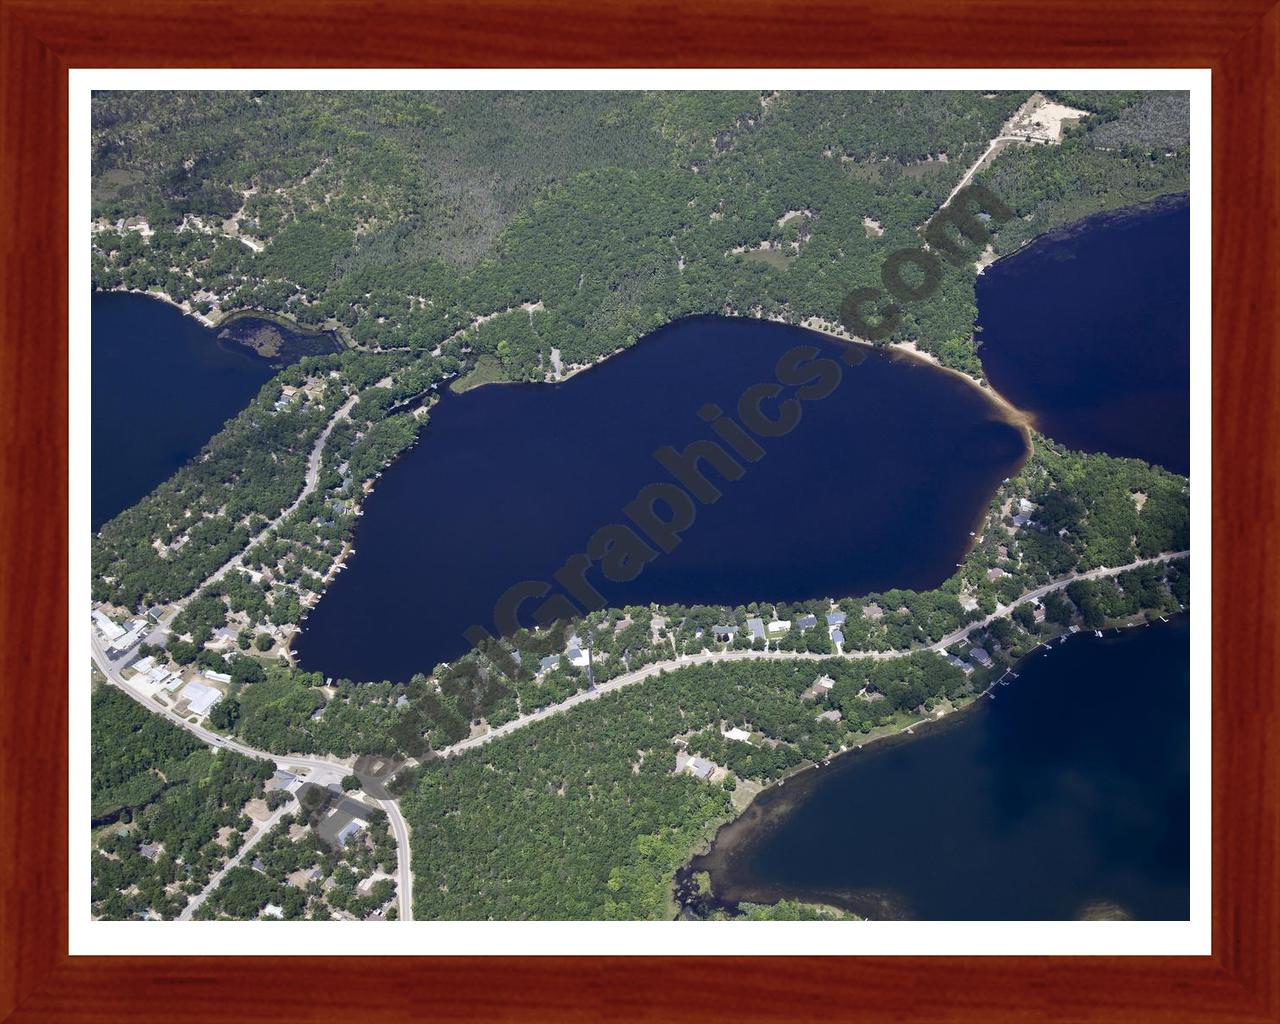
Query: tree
{"x": 350, "y": 782}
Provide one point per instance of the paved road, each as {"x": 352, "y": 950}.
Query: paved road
{"x": 310, "y": 481}
{"x": 706, "y": 657}
{"x": 216, "y": 878}
{"x": 312, "y": 768}
{"x": 323, "y": 770}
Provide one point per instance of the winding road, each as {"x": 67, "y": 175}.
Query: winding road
{"x": 309, "y": 483}
{"x": 325, "y": 770}
{"x": 708, "y": 657}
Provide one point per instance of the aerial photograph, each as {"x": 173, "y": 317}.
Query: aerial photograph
{"x": 639, "y": 506}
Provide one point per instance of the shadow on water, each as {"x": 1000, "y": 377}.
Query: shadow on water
{"x": 1065, "y": 798}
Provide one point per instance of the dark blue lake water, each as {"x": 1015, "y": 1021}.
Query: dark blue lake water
{"x": 163, "y": 384}
{"x": 1088, "y": 329}
{"x": 1067, "y": 795}
{"x": 878, "y": 486}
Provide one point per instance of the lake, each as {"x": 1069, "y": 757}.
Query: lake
{"x": 1065, "y": 796}
{"x": 163, "y": 384}
{"x": 1087, "y": 329}
{"x": 877, "y": 487}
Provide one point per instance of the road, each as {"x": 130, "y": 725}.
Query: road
{"x": 216, "y": 878}
{"x": 310, "y": 480}
{"x": 707, "y": 657}
{"x": 322, "y": 771}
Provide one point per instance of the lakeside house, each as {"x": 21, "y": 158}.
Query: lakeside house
{"x": 835, "y": 618}
{"x": 830, "y": 716}
{"x": 698, "y": 767}
{"x": 548, "y": 663}
{"x": 996, "y": 574}
{"x": 577, "y": 657}
{"x": 981, "y": 657}
{"x": 963, "y": 666}
{"x": 837, "y": 638}
{"x": 756, "y": 628}
{"x": 778, "y": 626}
{"x": 806, "y": 621}
{"x": 723, "y": 634}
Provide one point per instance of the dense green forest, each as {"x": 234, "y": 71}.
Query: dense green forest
{"x": 154, "y": 784}
{"x": 406, "y": 217}
{"x": 465, "y": 237}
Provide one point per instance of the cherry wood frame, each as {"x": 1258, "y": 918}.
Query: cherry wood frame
{"x": 41, "y": 39}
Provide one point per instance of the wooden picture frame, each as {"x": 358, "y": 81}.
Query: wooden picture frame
{"x": 41, "y": 39}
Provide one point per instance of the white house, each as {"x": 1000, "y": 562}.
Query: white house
{"x": 737, "y": 734}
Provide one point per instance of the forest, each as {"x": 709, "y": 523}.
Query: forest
{"x": 404, "y": 219}
{"x": 154, "y": 784}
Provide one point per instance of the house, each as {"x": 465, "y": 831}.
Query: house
{"x": 981, "y": 657}
{"x": 698, "y": 767}
{"x": 150, "y": 850}
{"x": 807, "y": 621}
{"x": 348, "y": 830}
{"x": 741, "y": 735}
{"x": 778, "y": 626}
{"x": 271, "y": 910}
{"x": 548, "y": 663}
{"x": 964, "y": 666}
{"x": 109, "y": 630}
{"x": 201, "y": 698}
{"x": 128, "y": 639}
{"x": 402, "y": 700}
{"x": 143, "y": 666}
{"x": 1037, "y": 613}
{"x": 824, "y": 683}
{"x": 1020, "y": 521}
{"x": 996, "y": 574}
{"x": 258, "y": 866}
{"x": 835, "y": 618}
{"x": 830, "y": 716}
{"x": 723, "y": 634}
{"x": 756, "y": 628}
{"x": 577, "y": 658}
{"x": 837, "y": 637}
{"x": 218, "y": 677}
{"x": 1026, "y": 507}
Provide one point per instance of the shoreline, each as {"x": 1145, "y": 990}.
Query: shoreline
{"x": 910, "y": 350}
{"x": 706, "y": 845}
{"x": 225, "y": 319}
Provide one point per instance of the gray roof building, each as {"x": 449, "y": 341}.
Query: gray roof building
{"x": 807, "y": 621}
{"x": 981, "y": 657}
{"x": 756, "y": 628}
{"x": 835, "y": 618}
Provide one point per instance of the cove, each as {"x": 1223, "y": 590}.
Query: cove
{"x": 1066, "y": 796}
{"x": 1087, "y": 329}
{"x": 163, "y": 384}
{"x": 877, "y": 487}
